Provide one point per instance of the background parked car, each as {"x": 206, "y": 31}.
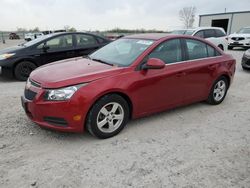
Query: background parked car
{"x": 245, "y": 63}
{"x": 13, "y": 36}
{"x": 32, "y": 36}
{"x": 240, "y": 38}
{"x": 216, "y": 35}
{"x": 21, "y": 60}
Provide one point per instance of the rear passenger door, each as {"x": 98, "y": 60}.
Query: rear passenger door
{"x": 85, "y": 44}
{"x": 200, "y": 66}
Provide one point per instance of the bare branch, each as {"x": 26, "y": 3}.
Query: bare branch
{"x": 187, "y": 16}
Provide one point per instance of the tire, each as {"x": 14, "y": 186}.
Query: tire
{"x": 101, "y": 117}
{"x": 23, "y": 70}
{"x": 221, "y": 47}
{"x": 230, "y": 47}
{"x": 245, "y": 68}
{"x": 218, "y": 91}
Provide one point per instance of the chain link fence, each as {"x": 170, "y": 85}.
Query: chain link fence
{"x": 4, "y": 36}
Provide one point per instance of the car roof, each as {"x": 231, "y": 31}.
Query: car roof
{"x": 64, "y": 33}
{"x": 199, "y": 28}
{"x": 150, "y": 36}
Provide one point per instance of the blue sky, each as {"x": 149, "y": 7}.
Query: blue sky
{"x": 106, "y": 14}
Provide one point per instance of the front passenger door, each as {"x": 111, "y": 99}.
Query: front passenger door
{"x": 57, "y": 48}
{"x": 163, "y": 88}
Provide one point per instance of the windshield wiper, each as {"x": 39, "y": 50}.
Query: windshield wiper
{"x": 101, "y": 61}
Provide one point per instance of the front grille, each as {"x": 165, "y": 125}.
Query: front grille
{"x": 56, "y": 121}
{"x": 30, "y": 95}
{"x": 238, "y": 38}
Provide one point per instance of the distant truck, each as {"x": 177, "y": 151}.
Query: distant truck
{"x": 32, "y": 36}
{"x": 13, "y": 36}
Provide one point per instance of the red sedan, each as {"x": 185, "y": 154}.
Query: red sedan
{"x": 129, "y": 78}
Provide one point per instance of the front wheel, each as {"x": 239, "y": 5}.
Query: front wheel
{"x": 218, "y": 91}
{"x": 108, "y": 116}
{"x": 23, "y": 70}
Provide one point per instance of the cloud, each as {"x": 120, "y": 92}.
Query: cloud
{"x": 105, "y": 14}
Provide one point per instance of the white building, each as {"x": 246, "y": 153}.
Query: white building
{"x": 230, "y": 21}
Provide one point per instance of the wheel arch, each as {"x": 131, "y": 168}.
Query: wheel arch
{"x": 120, "y": 93}
{"x": 21, "y": 60}
{"x": 221, "y": 46}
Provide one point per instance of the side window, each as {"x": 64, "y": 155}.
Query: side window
{"x": 219, "y": 33}
{"x": 60, "y": 42}
{"x": 100, "y": 40}
{"x": 196, "y": 49}
{"x": 169, "y": 51}
{"x": 209, "y": 33}
{"x": 212, "y": 52}
{"x": 199, "y": 34}
{"x": 85, "y": 40}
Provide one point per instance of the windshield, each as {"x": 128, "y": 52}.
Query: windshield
{"x": 121, "y": 52}
{"x": 32, "y": 42}
{"x": 244, "y": 31}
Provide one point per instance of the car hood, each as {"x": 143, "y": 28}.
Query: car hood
{"x": 12, "y": 49}
{"x": 239, "y": 35}
{"x": 72, "y": 71}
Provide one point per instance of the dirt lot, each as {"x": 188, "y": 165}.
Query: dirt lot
{"x": 193, "y": 146}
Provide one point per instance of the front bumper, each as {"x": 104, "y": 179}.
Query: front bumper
{"x": 239, "y": 43}
{"x": 57, "y": 115}
{"x": 7, "y": 62}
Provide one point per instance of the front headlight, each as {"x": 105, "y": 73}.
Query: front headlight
{"x": 247, "y": 53}
{"x": 6, "y": 56}
{"x": 62, "y": 94}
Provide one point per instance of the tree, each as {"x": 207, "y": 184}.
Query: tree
{"x": 36, "y": 29}
{"x": 69, "y": 29}
{"x": 187, "y": 16}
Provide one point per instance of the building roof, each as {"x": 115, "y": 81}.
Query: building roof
{"x": 239, "y": 12}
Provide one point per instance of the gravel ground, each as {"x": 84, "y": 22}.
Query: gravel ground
{"x": 193, "y": 146}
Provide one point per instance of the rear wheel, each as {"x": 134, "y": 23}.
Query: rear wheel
{"x": 23, "y": 70}
{"x": 218, "y": 91}
{"x": 108, "y": 116}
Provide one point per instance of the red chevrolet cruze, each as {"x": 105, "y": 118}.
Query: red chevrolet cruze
{"x": 129, "y": 78}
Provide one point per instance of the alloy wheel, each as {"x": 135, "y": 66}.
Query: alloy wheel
{"x": 219, "y": 90}
{"x": 110, "y": 117}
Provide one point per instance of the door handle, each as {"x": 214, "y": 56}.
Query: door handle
{"x": 180, "y": 74}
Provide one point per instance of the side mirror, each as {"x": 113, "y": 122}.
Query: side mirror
{"x": 45, "y": 47}
{"x": 153, "y": 63}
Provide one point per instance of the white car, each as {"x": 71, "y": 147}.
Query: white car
{"x": 240, "y": 38}
{"x": 216, "y": 35}
{"x": 31, "y": 36}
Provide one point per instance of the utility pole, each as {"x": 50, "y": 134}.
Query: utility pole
{"x": 3, "y": 38}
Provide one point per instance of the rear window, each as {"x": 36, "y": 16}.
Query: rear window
{"x": 198, "y": 50}
{"x": 219, "y": 33}
{"x": 209, "y": 33}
